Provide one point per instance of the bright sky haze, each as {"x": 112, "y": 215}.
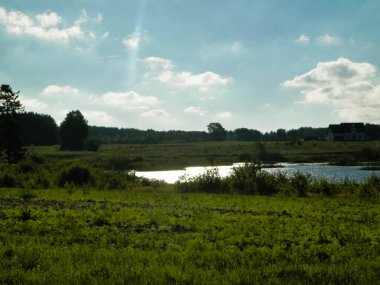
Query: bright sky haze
{"x": 181, "y": 64}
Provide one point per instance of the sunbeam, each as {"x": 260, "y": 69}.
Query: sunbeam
{"x": 133, "y": 43}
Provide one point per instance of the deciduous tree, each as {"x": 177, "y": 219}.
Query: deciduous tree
{"x": 216, "y": 131}
{"x": 73, "y": 131}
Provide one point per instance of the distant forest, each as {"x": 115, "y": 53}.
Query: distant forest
{"x": 41, "y": 129}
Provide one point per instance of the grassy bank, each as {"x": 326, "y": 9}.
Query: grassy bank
{"x": 143, "y": 236}
{"x": 80, "y": 218}
{"x": 168, "y": 156}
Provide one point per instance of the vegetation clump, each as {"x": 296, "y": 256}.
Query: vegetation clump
{"x": 77, "y": 175}
{"x": 210, "y": 181}
{"x": 252, "y": 179}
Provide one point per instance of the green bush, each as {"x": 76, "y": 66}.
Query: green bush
{"x": 112, "y": 180}
{"x": 369, "y": 187}
{"x": 8, "y": 180}
{"x": 119, "y": 163}
{"x": 77, "y": 175}
{"x": 324, "y": 187}
{"x": 244, "y": 178}
{"x": 209, "y": 182}
{"x": 300, "y": 183}
{"x": 92, "y": 145}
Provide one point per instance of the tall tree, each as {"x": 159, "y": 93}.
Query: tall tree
{"x": 10, "y": 127}
{"x": 39, "y": 129}
{"x": 73, "y": 131}
{"x": 216, "y": 131}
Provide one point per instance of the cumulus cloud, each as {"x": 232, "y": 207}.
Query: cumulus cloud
{"x": 224, "y": 115}
{"x": 195, "y": 110}
{"x": 43, "y": 26}
{"x": 328, "y": 40}
{"x": 127, "y": 100}
{"x": 53, "y": 90}
{"x": 349, "y": 87}
{"x": 101, "y": 118}
{"x": 135, "y": 39}
{"x": 158, "y": 63}
{"x": 165, "y": 72}
{"x": 32, "y": 104}
{"x": 156, "y": 114}
{"x": 48, "y": 19}
{"x": 303, "y": 40}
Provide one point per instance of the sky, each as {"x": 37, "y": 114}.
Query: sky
{"x": 181, "y": 64}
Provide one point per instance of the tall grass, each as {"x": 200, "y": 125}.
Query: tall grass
{"x": 250, "y": 178}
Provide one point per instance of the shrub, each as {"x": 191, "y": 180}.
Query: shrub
{"x": 8, "y": 180}
{"x": 119, "y": 163}
{"x": 77, "y": 175}
{"x": 300, "y": 182}
{"x": 323, "y": 186}
{"x": 267, "y": 184}
{"x": 92, "y": 145}
{"x": 27, "y": 166}
{"x": 244, "y": 178}
{"x": 209, "y": 181}
{"x": 369, "y": 187}
{"x": 40, "y": 180}
{"x": 111, "y": 180}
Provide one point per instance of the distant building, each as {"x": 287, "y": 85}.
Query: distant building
{"x": 347, "y": 132}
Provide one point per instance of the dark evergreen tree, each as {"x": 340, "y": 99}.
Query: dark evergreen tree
{"x": 73, "y": 131}
{"x": 10, "y": 127}
{"x": 39, "y": 129}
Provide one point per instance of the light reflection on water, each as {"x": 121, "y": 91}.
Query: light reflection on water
{"x": 316, "y": 170}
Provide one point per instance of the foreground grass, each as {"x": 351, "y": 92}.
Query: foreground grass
{"x": 159, "y": 237}
{"x": 177, "y": 156}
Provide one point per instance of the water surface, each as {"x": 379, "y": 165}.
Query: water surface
{"x": 316, "y": 170}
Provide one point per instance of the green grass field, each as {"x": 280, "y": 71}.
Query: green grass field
{"x": 159, "y": 236}
{"x": 79, "y": 218}
{"x": 168, "y": 156}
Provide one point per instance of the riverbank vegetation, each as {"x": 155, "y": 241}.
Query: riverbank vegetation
{"x": 177, "y": 156}
{"x": 72, "y": 218}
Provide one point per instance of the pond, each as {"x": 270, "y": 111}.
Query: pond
{"x": 316, "y": 170}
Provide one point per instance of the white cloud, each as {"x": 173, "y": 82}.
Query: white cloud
{"x": 236, "y": 47}
{"x": 127, "y": 101}
{"x": 158, "y": 63}
{"x": 100, "y": 118}
{"x": 164, "y": 71}
{"x": 195, "y": 110}
{"x": 43, "y": 26}
{"x": 347, "y": 86}
{"x": 132, "y": 41}
{"x": 328, "y": 40}
{"x": 99, "y": 18}
{"x": 303, "y": 40}
{"x": 224, "y": 115}
{"x": 34, "y": 105}
{"x": 156, "y": 114}
{"x": 48, "y": 19}
{"x": 135, "y": 39}
{"x": 84, "y": 18}
{"x": 52, "y": 90}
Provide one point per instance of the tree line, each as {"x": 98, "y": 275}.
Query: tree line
{"x": 19, "y": 129}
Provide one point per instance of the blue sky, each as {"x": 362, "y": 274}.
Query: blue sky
{"x": 181, "y": 64}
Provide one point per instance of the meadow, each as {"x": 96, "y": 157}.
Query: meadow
{"x": 80, "y": 218}
{"x": 177, "y": 156}
{"x": 160, "y": 236}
